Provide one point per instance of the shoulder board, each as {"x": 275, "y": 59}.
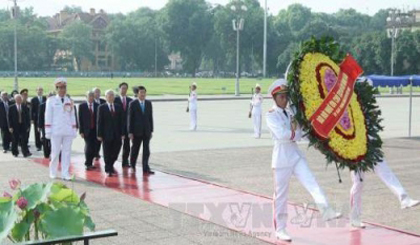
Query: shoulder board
{"x": 271, "y": 110}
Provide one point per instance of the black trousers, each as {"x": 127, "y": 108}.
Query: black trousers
{"x": 38, "y": 142}
{"x": 137, "y": 141}
{"x": 111, "y": 150}
{"x": 46, "y": 144}
{"x": 20, "y": 136}
{"x": 28, "y": 134}
{"x": 6, "y": 138}
{"x": 91, "y": 145}
{"x": 98, "y": 149}
{"x": 126, "y": 150}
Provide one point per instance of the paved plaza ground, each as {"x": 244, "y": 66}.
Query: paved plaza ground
{"x": 224, "y": 152}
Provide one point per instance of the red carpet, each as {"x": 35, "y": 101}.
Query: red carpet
{"x": 237, "y": 210}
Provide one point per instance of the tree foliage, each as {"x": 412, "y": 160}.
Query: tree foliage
{"x": 203, "y": 35}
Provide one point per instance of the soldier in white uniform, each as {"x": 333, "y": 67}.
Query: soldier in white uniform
{"x": 383, "y": 171}
{"x": 60, "y": 128}
{"x": 192, "y": 106}
{"x": 256, "y": 112}
{"x": 288, "y": 160}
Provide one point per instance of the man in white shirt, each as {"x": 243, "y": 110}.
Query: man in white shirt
{"x": 256, "y": 112}
{"x": 192, "y": 107}
{"x": 60, "y": 127}
{"x": 288, "y": 160}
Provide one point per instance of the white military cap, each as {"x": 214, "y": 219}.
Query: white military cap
{"x": 278, "y": 86}
{"x": 257, "y": 85}
{"x": 194, "y": 84}
{"x": 60, "y": 80}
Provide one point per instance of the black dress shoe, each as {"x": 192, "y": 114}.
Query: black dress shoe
{"x": 126, "y": 165}
{"x": 4, "y": 151}
{"x": 110, "y": 174}
{"x": 150, "y": 172}
{"x": 27, "y": 155}
{"x": 90, "y": 168}
{"x": 15, "y": 155}
{"x": 38, "y": 149}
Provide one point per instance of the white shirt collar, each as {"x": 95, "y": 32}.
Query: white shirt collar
{"x": 59, "y": 97}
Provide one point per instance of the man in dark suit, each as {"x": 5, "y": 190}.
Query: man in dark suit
{"x": 140, "y": 128}
{"x": 12, "y": 97}
{"x": 87, "y": 128}
{"x": 35, "y": 102}
{"x": 135, "y": 92}
{"x": 100, "y": 101}
{"x": 19, "y": 125}
{"x": 4, "y": 123}
{"x": 26, "y": 103}
{"x": 124, "y": 101}
{"x": 97, "y": 95}
{"x": 46, "y": 143}
{"x": 110, "y": 131}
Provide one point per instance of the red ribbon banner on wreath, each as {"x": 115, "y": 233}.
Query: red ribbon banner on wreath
{"x": 335, "y": 104}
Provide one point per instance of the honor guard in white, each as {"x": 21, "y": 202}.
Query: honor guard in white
{"x": 60, "y": 127}
{"x": 256, "y": 112}
{"x": 288, "y": 160}
{"x": 383, "y": 171}
{"x": 192, "y": 106}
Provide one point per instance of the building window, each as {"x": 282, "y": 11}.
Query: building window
{"x": 101, "y": 63}
{"x": 102, "y": 46}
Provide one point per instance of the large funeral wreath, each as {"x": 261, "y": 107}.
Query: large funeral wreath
{"x": 354, "y": 142}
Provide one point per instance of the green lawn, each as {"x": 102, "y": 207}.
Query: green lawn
{"x": 155, "y": 86}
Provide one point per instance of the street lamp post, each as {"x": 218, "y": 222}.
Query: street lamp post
{"x": 155, "y": 57}
{"x": 265, "y": 41}
{"x": 15, "y": 17}
{"x": 395, "y": 21}
{"x": 238, "y": 25}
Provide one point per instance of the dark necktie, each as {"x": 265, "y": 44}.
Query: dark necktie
{"x": 285, "y": 113}
{"x": 124, "y": 104}
{"x": 112, "y": 110}
{"x": 62, "y": 100}
{"x": 92, "y": 118}
{"x": 20, "y": 113}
